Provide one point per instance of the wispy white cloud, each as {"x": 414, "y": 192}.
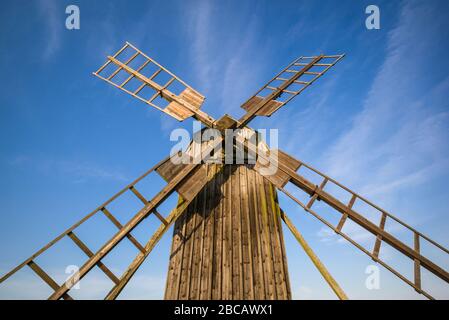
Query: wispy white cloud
{"x": 26, "y": 285}
{"x": 77, "y": 172}
{"x": 54, "y": 20}
{"x": 305, "y": 119}
{"x": 23, "y": 286}
{"x": 226, "y": 64}
{"x": 399, "y": 138}
{"x": 146, "y": 287}
{"x": 242, "y": 66}
{"x": 140, "y": 287}
{"x": 303, "y": 292}
{"x": 199, "y": 30}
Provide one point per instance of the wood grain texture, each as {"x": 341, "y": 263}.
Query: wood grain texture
{"x": 267, "y": 110}
{"x": 229, "y": 244}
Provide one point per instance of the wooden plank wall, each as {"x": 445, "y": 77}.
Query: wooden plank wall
{"x": 229, "y": 242}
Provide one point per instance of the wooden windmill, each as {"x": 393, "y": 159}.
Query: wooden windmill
{"x": 228, "y": 240}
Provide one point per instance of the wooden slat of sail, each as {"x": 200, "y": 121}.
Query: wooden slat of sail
{"x": 280, "y": 178}
{"x": 191, "y": 185}
{"x": 168, "y": 170}
{"x": 231, "y": 247}
{"x": 195, "y": 181}
{"x": 266, "y": 110}
{"x": 190, "y": 96}
{"x": 277, "y": 158}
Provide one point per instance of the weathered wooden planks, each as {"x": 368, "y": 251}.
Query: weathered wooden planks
{"x": 193, "y": 98}
{"x": 267, "y": 110}
{"x": 278, "y": 157}
{"x": 229, "y": 244}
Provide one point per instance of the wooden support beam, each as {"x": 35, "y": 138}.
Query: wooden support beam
{"x": 145, "y": 201}
{"x": 119, "y": 226}
{"x": 290, "y": 92}
{"x": 312, "y": 73}
{"x": 138, "y": 195}
{"x": 119, "y": 69}
{"x": 315, "y": 195}
{"x": 169, "y": 82}
{"x": 108, "y": 62}
{"x": 140, "y": 258}
{"x": 160, "y": 217}
{"x": 345, "y": 215}
{"x": 417, "y": 265}
{"x": 136, "y": 92}
{"x": 138, "y": 70}
{"x": 315, "y": 65}
{"x": 155, "y": 73}
{"x": 316, "y": 261}
{"x": 47, "y": 279}
{"x": 296, "y": 81}
{"x": 89, "y": 253}
{"x": 379, "y": 237}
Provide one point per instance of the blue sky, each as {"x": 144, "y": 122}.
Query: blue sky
{"x": 377, "y": 122}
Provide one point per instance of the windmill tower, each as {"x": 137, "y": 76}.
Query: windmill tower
{"x": 228, "y": 238}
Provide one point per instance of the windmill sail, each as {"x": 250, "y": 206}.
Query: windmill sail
{"x": 286, "y": 85}
{"x": 71, "y": 233}
{"x": 132, "y": 71}
{"x": 124, "y": 231}
{"x": 330, "y": 192}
